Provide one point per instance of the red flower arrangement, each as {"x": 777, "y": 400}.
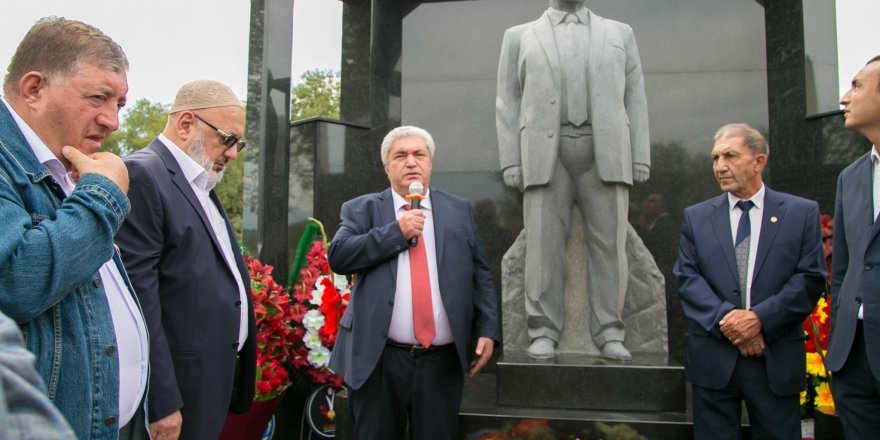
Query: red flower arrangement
{"x": 816, "y": 326}
{"x": 319, "y": 301}
{"x": 274, "y": 334}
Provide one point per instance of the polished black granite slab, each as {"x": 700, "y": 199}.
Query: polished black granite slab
{"x": 481, "y": 417}
{"x": 647, "y": 383}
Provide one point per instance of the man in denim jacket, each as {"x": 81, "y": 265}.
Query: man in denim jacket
{"x": 61, "y": 203}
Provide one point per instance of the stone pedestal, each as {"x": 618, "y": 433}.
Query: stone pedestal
{"x": 648, "y": 383}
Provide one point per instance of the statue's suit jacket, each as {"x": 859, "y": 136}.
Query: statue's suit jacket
{"x": 528, "y": 100}
{"x": 855, "y": 267}
{"x": 189, "y": 297}
{"x": 788, "y": 277}
{"x": 367, "y": 244}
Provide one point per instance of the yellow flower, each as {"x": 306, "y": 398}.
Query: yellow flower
{"x": 824, "y": 400}
{"x": 820, "y": 311}
{"x": 803, "y": 397}
{"x": 815, "y": 365}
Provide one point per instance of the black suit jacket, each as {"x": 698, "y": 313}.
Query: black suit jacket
{"x": 368, "y": 242}
{"x": 189, "y": 298}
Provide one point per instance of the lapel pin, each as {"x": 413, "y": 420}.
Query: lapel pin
{"x": 773, "y": 219}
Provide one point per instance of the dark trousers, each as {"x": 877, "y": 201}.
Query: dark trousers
{"x": 425, "y": 389}
{"x": 717, "y": 413}
{"x": 857, "y": 392}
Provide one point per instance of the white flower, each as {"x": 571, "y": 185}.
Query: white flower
{"x": 312, "y": 340}
{"x": 340, "y": 282}
{"x": 318, "y": 291}
{"x": 313, "y": 320}
{"x": 319, "y": 357}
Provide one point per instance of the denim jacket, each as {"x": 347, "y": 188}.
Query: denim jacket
{"x": 51, "y": 248}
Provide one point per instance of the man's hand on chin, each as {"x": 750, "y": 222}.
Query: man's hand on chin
{"x": 167, "y": 428}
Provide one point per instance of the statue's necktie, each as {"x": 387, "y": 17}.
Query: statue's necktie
{"x": 575, "y": 71}
{"x": 423, "y": 311}
{"x": 743, "y": 237}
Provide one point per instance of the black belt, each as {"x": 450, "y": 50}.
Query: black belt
{"x": 418, "y": 350}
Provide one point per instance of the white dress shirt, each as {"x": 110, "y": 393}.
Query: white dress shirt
{"x": 875, "y": 193}
{"x": 755, "y": 216}
{"x": 197, "y": 177}
{"x": 401, "y": 329}
{"x": 128, "y": 322}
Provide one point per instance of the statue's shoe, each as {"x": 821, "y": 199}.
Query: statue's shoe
{"x": 615, "y": 350}
{"x": 542, "y": 348}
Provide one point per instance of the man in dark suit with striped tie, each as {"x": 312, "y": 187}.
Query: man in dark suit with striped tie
{"x": 750, "y": 269}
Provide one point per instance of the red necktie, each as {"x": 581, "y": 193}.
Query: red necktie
{"x": 423, "y": 311}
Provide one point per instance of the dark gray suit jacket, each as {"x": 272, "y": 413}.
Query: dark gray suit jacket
{"x": 190, "y": 299}
{"x": 855, "y": 267}
{"x": 367, "y": 244}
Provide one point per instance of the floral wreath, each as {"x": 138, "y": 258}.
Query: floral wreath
{"x": 318, "y": 302}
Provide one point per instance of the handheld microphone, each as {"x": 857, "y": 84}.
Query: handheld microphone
{"x": 416, "y": 194}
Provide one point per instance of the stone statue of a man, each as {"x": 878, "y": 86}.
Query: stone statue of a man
{"x": 572, "y": 124}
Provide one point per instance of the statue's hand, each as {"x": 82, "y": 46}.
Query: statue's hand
{"x": 641, "y": 172}
{"x": 513, "y": 177}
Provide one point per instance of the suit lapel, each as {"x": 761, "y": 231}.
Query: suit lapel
{"x": 721, "y": 226}
{"x": 438, "y": 205}
{"x": 771, "y": 222}
{"x": 597, "y": 44}
{"x": 179, "y": 180}
{"x": 865, "y": 193}
{"x": 387, "y": 215}
{"x": 544, "y": 33}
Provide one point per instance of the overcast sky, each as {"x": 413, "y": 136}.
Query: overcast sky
{"x": 170, "y": 42}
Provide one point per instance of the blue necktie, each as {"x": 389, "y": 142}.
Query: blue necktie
{"x": 743, "y": 232}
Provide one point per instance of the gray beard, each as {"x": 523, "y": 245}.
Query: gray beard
{"x": 198, "y": 153}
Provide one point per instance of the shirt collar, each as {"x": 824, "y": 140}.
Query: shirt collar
{"x": 194, "y": 173}
{"x": 44, "y": 155}
{"x": 757, "y": 199}
{"x": 400, "y": 202}
{"x": 875, "y": 158}
{"x": 558, "y": 17}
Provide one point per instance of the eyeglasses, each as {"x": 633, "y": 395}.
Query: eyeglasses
{"x": 228, "y": 140}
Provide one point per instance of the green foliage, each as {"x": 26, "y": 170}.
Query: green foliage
{"x": 316, "y": 94}
{"x": 142, "y": 122}
{"x": 230, "y": 191}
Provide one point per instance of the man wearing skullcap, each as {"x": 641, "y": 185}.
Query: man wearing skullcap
{"x": 181, "y": 254}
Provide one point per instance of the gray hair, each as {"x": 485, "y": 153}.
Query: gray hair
{"x": 57, "y": 48}
{"x": 402, "y": 132}
{"x": 752, "y": 138}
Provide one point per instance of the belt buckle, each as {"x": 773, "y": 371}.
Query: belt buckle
{"x": 412, "y": 351}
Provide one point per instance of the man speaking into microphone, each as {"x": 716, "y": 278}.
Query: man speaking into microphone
{"x": 422, "y": 295}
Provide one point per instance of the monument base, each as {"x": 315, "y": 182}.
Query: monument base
{"x": 571, "y": 381}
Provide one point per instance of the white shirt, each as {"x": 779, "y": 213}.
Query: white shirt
{"x": 875, "y": 192}
{"x": 128, "y": 322}
{"x": 755, "y": 217}
{"x": 197, "y": 177}
{"x": 401, "y": 329}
